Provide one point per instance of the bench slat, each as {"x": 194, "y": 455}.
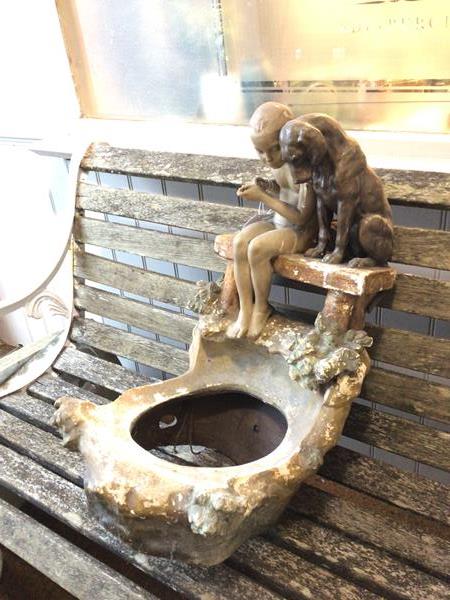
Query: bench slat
{"x": 156, "y": 208}
{"x": 413, "y": 245}
{"x": 411, "y": 350}
{"x": 406, "y": 490}
{"x": 82, "y": 575}
{"x": 252, "y": 553}
{"x": 420, "y": 296}
{"x": 409, "y": 536}
{"x": 371, "y": 566}
{"x": 20, "y": 403}
{"x": 276, "y": 566}
{"x": 49, "y": 387}
{"x": 66, "y": 502}
{"x": 422, "y": 247}
{"x": 398, "y": 435}
{"x": 144, "y": 242}
{"x": 95, "y": 370}
{"x": 134, "y": 280}
{"x": 402, "y": 187}
{"x": 133, "y": 312}
{"x": 409, "y": 394}
{"x": 155, "y": 354}
{"x": 42, "y": 445}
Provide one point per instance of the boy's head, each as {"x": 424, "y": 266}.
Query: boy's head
{"x": 266, "y": 123}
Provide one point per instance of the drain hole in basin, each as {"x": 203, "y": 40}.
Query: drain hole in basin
{"x": 211, "y": 430}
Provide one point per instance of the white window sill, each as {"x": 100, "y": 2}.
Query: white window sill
{"x": 394, "y": 150}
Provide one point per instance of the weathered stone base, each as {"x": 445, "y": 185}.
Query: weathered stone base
{"x": 238, "y": 398}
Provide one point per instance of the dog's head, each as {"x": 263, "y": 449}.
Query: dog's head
{"x": 303, "y": 147}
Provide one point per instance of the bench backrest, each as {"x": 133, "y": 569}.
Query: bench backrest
{"x": 144, "y": 229}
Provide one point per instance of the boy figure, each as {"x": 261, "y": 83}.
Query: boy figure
{"x": 291, "y": 228}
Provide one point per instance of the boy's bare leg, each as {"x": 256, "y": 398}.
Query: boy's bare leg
{"x": 261, "y": 252}
{"x": 242, "y": 276}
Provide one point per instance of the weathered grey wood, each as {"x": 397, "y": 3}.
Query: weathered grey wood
{"x": 21, "y": 405}
{"x": 133, "y": 312}
{"x": 415, "y": 246}
{"x": 408, "y": 294}
{"x": 363, "y": 563}
{"x": 179, "y": 212}
{"x": 40, "y": 445}
{"x": 409, "y": 394}
{"x": 161, "y": 356}
{"x": 399, "y": 391}
{"x": 423, "y": 247}
{"x": 96, "y": 370}
{"x": 412, "y": 350}
{"x": 406, "y": 535}
{"x": 416, "y": 188}
{"x": 408, "y": 349}
{"x": 49, "y": 387}
{"x": 246, "y": 559}
{"x": 69, "y": 465}
{"x": 406, "y": 490}
{"x": 293, "y": 576}
{"x": 188, "y": 251}
{"x": 72, "y": 569}
{"x": 66, "y": 502}
{"x": 420, "y": 296}
{"x": 44, "y": 453}
{"x": 398, "y": 435}
{"x": 134, "y": 280}
{"x": 402, "y": 187}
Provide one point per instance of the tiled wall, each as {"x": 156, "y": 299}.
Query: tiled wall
{"x": 408, "y": 216}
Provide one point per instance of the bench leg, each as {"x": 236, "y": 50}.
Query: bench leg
{"x": 229, "y": 297}
{"x": 346, "y": 310}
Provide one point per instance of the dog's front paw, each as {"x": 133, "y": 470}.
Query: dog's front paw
{"x": 315, "y": 252}
{"x": 333, "y": 258}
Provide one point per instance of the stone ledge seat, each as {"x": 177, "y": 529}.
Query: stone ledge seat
{"x": 349, "y": 290}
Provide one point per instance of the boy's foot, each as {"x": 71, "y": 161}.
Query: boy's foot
{"x": 257, "y": 323}
{"x": 238, "y": 328}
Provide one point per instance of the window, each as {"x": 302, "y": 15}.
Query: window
{"x": 373, "y": 64}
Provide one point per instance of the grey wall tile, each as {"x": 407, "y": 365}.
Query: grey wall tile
{"x": 146, "y": 184}
{"x": 182, "y": 189}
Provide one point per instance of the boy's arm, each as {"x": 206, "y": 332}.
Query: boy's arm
{"x": 307, "y": 205}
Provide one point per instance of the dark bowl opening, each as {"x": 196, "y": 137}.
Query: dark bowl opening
{"x": 211, "y": 429}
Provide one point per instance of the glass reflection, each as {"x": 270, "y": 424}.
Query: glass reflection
{"x": 373, "y": 64}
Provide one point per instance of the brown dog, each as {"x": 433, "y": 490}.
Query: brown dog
{"x": 317, "y": 148}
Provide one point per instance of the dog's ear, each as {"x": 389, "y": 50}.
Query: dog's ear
{"x": 313, "y": 142}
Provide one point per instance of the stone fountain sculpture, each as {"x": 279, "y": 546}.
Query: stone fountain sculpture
{"x": 270, "y": 393}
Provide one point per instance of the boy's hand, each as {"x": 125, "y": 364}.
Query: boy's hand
{"x": 250, "y": 191}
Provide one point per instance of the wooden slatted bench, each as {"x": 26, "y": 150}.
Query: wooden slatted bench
{"x": 373, "y": 523}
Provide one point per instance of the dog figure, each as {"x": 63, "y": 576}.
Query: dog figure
{"x": 317, "y": 148}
